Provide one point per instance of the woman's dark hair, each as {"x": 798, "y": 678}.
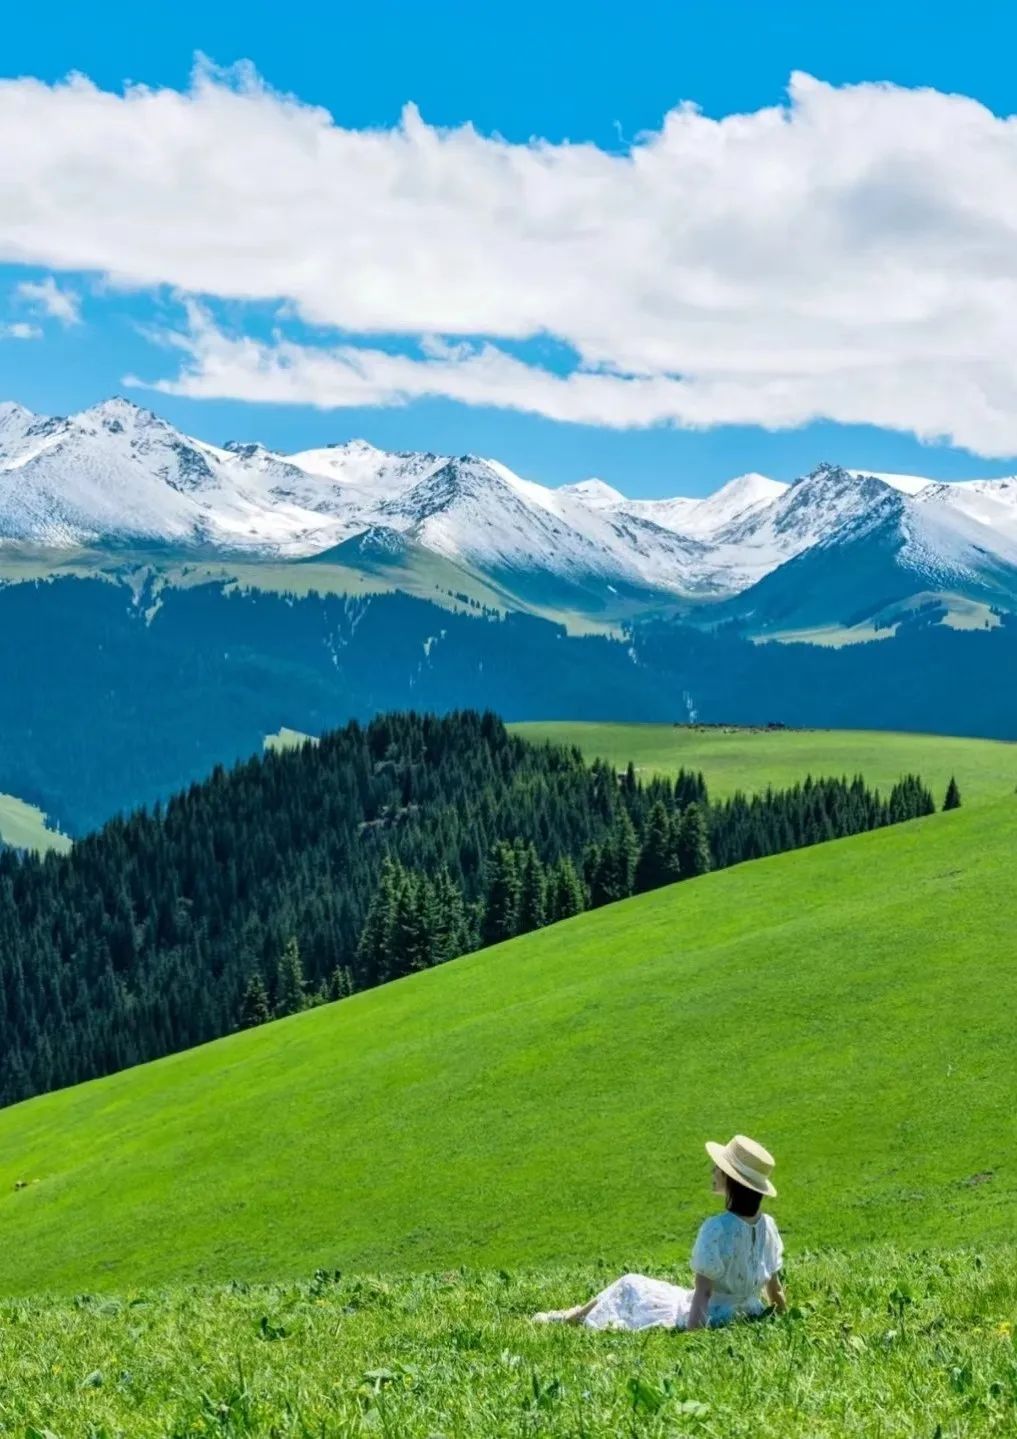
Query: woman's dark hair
{"x": 742, "y": 1200}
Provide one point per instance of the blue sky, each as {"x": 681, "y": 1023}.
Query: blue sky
{"x": 582, "y": 73}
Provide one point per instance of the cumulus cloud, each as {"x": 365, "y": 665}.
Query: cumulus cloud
{"x": 47, "y": 298}
{"x": 20, "y": 330}
{"x": 851, "y": 254}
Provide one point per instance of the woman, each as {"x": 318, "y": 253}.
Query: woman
{"x": 736, "y": 1256}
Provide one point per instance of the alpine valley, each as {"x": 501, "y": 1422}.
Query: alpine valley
{"x": 166, "y": 604}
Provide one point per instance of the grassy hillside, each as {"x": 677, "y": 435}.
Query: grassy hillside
{"x": 24, "y": 826}
{"x": 286, "y": 738}
{"x": 750, "y": 759}
{"x": 350, "y": 569}
{"x": 850, "y": 1004}
{"x": 889, "y": 1344}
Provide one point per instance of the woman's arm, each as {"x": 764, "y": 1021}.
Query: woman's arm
{"x": 700, "y": 1302}
{"x": 774, "y": 1292}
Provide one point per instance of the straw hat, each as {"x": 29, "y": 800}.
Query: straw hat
{"x": 745, "y": 1161}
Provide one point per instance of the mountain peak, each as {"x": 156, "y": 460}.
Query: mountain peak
{"x": 117, "y": 472}
{"x": 246, "y": 449}
{"x": 352, "y": 447}
{"x": 752, "y": 486}
{"x": 907, "y": 484}
{"x": 118, "y": 413}
{"x": 825, "y": 470}
{"x": 830, "y": 479}
{"x": 380, "y": 542}
{"x": 594, "y": 492}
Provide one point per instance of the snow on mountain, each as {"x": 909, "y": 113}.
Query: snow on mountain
{"x": 15, "y": 424}
{"x": 1003, "y": 490}
{"x": 907, "y": 484}
{"x": 737, "y": 500}
{"x": 815, "y": 506}
{"x": 877, "y": 559}
{"x": 480, "y": 512}
{"x": 992, "y": 503}
{"x": 371, "y": 472}
{"x": 118, "y": 474}
{"x": 595, "y": 493}
{"x": 110, "y": 470}
{"x": 948, "y": 542}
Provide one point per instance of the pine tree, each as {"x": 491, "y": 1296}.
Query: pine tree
{"x": 613, "y": 866}
{"x": 254, "y": 1008}
{"x": 340, "y": 984}
{"x": 374, "y": 952}
{"x": 953, "y": 798}
{"x": 658, "y": 857}
{"x": 565, "y": 893}
{"x": 501, "y": 912}
{"x": 693, "y": 842}
{"x": 626, "y": 853}
{"x": 452, "y": 935}
{"x": 532, "y": 912}
{"x": 291, "y": 987}
{"x": 413, "y": 926}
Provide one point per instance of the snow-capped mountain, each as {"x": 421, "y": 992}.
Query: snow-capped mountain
{"x": 888, "y": 552}
{"x": 118, "y": 475}
{"x": 738, "y": 500}
{"x": 478, "y": 512}
{"x": 595, "y": 493}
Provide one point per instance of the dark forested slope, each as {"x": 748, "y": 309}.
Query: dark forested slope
{"x": 335, "y": 867}
{"x": 113, "y": 697}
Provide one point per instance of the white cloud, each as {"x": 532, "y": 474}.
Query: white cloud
{"x": 851, "y": 255}
{"x": 47, "y": 298}
{"x": 221, "y": 366}
{"x": 19, "y": 330}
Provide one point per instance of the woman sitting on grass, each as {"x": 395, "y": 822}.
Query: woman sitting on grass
{"x": 736, "y": 1256}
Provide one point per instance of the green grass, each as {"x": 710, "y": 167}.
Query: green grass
{"x": 514, "y": 1130}
{"x": 750, "y": 759}
{"x": 894, "y": 1345}
{"x": 286, "y": 738}
{"x": 417, "y": 572}
{"x": 24, "y": 827}
{"x": 851, "y": 1005}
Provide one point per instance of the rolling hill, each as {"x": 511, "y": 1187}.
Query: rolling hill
{"x": 548, "y": 1098}
{"x": 747, "y": 759}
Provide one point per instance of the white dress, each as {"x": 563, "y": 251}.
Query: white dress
{"x": 736, "y": 1255}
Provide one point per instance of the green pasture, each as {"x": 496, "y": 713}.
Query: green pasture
{"x": 23, "y": 826}
{"x": 546, "y": 1100}
{"x": 889, "y": 1343}
{"x": 734, "y": 758}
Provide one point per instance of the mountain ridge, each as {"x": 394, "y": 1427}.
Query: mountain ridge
{"x": 117, "y": 474}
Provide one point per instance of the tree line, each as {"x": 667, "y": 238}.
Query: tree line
{"x": 307, "y": 875}
{"x": 415, "y": 922}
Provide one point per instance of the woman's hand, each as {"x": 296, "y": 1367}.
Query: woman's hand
{"x": 775, "y": 1294}
{"x": 699, "y": 1312}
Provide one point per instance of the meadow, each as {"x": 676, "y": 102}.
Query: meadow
{"x": 849, "y": 1004}
{"x": 734, "y": 757}
{"x": 339, "y": 1224}
{"x": 24, "y": 826}
{"x": 891, "y": 1344}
